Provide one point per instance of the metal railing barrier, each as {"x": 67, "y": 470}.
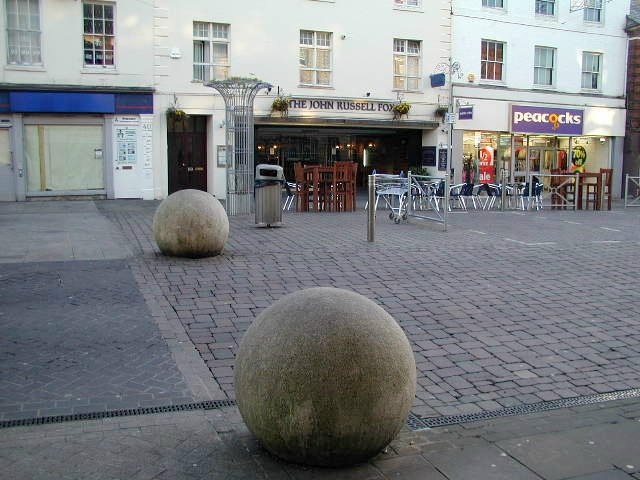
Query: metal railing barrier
{"x": 631, "y": 191}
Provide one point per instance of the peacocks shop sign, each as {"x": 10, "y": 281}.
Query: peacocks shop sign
{"x": 554, "y": 121}
{"x": 339, "y": 105}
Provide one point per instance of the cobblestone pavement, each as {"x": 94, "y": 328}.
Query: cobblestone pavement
{"x": 503, "y": 309}
{"x": 598, "y": 442}
{"x": 77, "y": 337}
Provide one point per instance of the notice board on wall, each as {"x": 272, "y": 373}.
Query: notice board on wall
{"x": 428, "y": 156}
{"x": 442, "y": 159}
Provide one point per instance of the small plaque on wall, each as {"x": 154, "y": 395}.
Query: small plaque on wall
{"x": 222, "y": 156}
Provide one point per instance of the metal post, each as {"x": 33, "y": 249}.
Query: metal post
{"x": 626, "y": 190}
{"x": 575, "y": 192}
{"x": 408, "y": 194}
{"x": 371, "y": 213}
{"x": 503, "y": 190}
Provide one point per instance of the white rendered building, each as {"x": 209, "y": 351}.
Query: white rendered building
{"x": 542, "y": 89}
{"x": 76, "y": 99}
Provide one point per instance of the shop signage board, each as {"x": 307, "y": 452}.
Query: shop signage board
{"x": 554, "y": 121}
{"x": 339, "y": 105}
{"x": 465, "y": 113}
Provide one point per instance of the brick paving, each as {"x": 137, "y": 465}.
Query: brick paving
{"x": 77, "y": 337}
{"x": 503, "y": 309}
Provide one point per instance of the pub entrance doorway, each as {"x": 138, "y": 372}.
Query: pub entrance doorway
{"x": 187, "y": 153}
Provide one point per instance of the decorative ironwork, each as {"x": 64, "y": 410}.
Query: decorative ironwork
{"x": 239, "y": 95}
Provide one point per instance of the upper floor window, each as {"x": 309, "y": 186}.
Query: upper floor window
{"x": 23, "y": 32}
{"x": 99, "y": 34}
{"x": 406, "y": 64}
{"x": 493, "y": 3}
{"x": 210, "y": 51}
{"x": 408, "y": 3}
{"x": 544, "y": 66}
{"x": 492, "y": 60}
{"x": 593, "y": 11}
{"x": 315, "y": 58}
{"x": 546, "y": 7}
{"x": 591, "y": 70}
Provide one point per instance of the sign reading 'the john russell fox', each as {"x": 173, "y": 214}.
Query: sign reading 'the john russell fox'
{"x": 554, "y": 121}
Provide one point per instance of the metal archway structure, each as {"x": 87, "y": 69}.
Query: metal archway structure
{"x": 239, "y": 95}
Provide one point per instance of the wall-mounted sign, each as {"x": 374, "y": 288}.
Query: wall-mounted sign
{"x": 428, "y": 156}
{"x": 555, "y": 121}
{"x": 438, "y": 79}
{"x": 442, "y": 160}
{"x": 126, "y": 144}
{"x": 339, "y": 105}
{"x": 465, "y": 113}
{"x": 222, "y": 156}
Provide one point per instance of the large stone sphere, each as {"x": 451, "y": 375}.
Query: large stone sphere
{"x": 325, "y": 377}
{"x": 190, "y": 223}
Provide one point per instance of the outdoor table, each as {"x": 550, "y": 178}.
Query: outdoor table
{"x": 590, "y": 184}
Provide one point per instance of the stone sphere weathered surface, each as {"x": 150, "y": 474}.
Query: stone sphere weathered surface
{"x": 190, "y": 223}
{"x": 325, "y": 377}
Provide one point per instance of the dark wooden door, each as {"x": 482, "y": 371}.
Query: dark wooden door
{"x": 187, "y": 153}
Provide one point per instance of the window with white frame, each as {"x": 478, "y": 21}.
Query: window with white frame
{"x": 591, "y": 70}
{"x": 593, "y": 11}
{"x": 492, "y": 60}
{"x": 546, "y": 7}
{"x": 315, "y": 58}
{"x": 408, "y": 3}
{"x": 23, "y": 32}
{"x": 210, "y": 51}
{"x": 99, "y": 34}
{"x": 544, "y": 66}
{"x": 493, "y": 3}
{"x": 406, "y": 64}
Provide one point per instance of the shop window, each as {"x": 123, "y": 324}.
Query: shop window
{"x": 492, "y": 60}
{"x": 210, "y": 51}
{"x": 544, "y": 66}
{"x": 493, "y": 3}
{"x": 64, "y": 157}
{"x": 591, "y": 68}
{"x": 406, "y": 64}
{"x": 99, "y": 34}
{"x": 546, "y": 7}
{"x": 315, "y": 58}
{"x": 593, "y": 11}
{"x": 23, "y": 32}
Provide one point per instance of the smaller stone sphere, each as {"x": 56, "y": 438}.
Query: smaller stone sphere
{"x": 325, "y": 377}
{"x": 190, "y": 223}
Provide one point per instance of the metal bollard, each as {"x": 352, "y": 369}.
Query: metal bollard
{"x": 371, "y": 212}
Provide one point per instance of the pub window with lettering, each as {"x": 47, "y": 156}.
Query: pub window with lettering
{"x": 23, "y": 32}
{"x": 544, "y": 69}
{"x": 492, "y": 60}
{"x": 406, "y": 64}
{"x": 210, "y": 51}
{"x": 315, "y": 58}
{"x": 99, "y": 34}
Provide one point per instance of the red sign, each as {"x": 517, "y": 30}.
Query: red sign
{"x": 487, "y": 168}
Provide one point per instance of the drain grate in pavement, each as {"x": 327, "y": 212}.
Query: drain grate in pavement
{"x": 415, "y": 422}
{"x": 128, "y": 412}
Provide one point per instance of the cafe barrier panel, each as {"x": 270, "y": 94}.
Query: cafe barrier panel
{"x": 632, "y": 191}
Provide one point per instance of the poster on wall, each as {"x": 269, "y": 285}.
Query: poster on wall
{"x": 126, "y": 144}
{"x": 578, "y": 159}
{"x": 487, "y": 173}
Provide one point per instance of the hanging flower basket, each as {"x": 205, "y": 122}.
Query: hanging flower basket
{"x": 280, "y": 104}
{"x": 441, "y": 110}
{"x": 175, "y": 114}
{"x": 400, "y": 109}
